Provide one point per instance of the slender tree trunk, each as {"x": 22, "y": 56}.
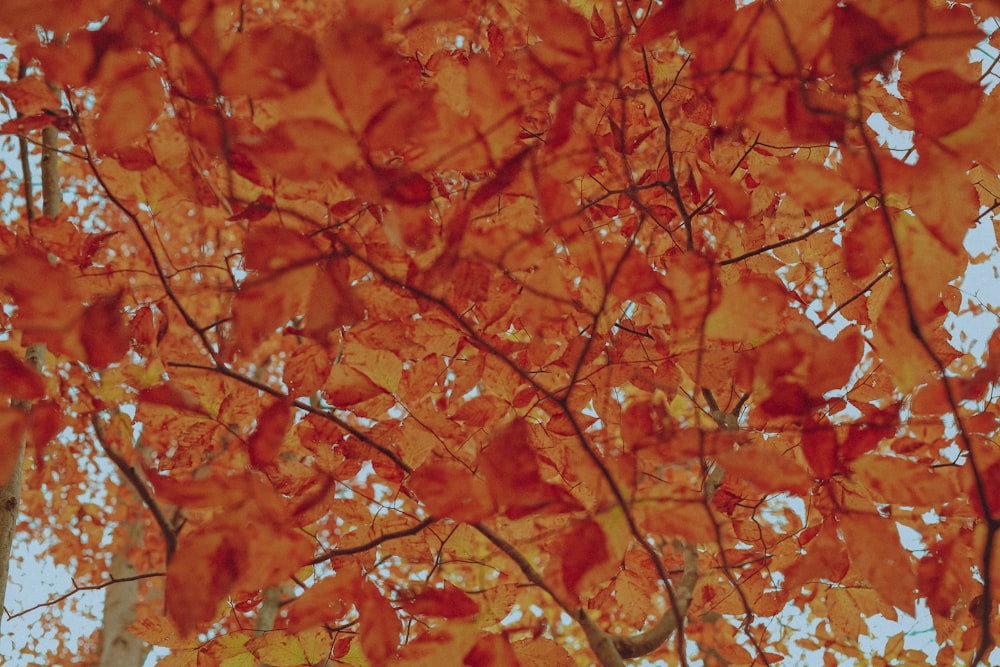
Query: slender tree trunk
{"x": 10, "y": 498}
{"x": 10, "y": 493}
{"x": 268, "y": 612}
{"x": 119, "y": 647}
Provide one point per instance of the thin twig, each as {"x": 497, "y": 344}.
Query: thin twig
{"x": 92, "y": 587}
{"x": 371, "y": 544}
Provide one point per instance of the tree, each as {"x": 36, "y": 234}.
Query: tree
{"x": 533, "y": 332}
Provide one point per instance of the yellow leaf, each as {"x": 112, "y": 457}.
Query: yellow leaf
{"x": 383, "y": 368}
{"x": 279, "y": 649}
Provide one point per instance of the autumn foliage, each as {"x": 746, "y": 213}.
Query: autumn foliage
{"x": 537, "y": 332}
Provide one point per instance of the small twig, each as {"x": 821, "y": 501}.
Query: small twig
{"x": 522, "y": 563}
{"x": 846, "y": 303}
{"x": 795, "y": 239}
{"x": 371, "y": 544}
{"x": 92, "y": 587}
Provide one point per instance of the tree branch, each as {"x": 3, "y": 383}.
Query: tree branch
{"x": 92, "y": 587}
{"x": 129, "y": 472}
{"x": 371, "y": 544}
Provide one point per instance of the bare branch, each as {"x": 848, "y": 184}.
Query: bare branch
{"x": 139, "y": 486}
{"x": 371, "y": 544}
{"x": 91, "y": 587}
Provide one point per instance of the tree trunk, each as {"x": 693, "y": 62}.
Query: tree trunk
{"x": 10, "y": 493}
{"x": 119, "y": 647}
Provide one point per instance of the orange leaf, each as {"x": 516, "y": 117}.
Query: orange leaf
{"x": 542, "y": 652}
{"x": 899, "y": 349}
{"x": 215, "y": 491}
{"x": 900, "y": 481}
{"x": 267, "y": 439}
{"x": 126, "y": 114}
{"x": 307, "y": 369}
{"x": 749, "y": 309}
{"x": 244, "y": 548}
{"x": 825, "y": 558}
{"x": 682, "y": 519}
{"x": 565, "y": 47}
{"x": 491, "y": 650}
{"x": 364, "y": 73}
{"x": 832, "y": 363}
{"x": 768, "y": 469}
{"x": 866, "y": 243}
{"x": 945, "y": 576}
{"x": 331, "y": 303}
{"x": 380, "y": 626}
{"x": 302, "y": 149}
{"x": 44, "y": 422}
{"x": 269, "y": 61}
{"x": 269, "y": 248}
{"x": 878, "y": 557}
{"x": 31, "y": 95}
{"x": 46, "y": 296}
{"x": 262, "y": 307}
{"x": 326, "y": 601}
{"x": 948, "y": 210}
{"x": 821, "y": 449}
{"x": 449, "y": 489}
{"x": 19, "y": 380}
{"x": 346, "y": 386}
{"x": 171, "y": 395}
{"x": 160, "y": 631}
{"x": 199, "y": 577}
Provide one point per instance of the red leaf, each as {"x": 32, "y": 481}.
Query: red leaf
{"x": 493, "y": 650}
{"x": 819, "y": 444}
{"x": 858, "y": 43}
{"x": 510, "y": 467}
{"x": 447, "y": 601}
{"x": 943, "y": 102}
{"x": 597, "y": 24}
{"x": 258, "y": 209}
{"x": 577, "y": 555}
{"x": 247, "y": 603}
{"x": 103, "y": 332}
